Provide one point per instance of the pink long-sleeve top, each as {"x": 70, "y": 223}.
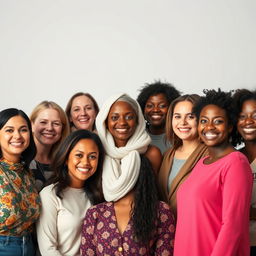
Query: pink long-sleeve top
{"x": 213, "y": 209}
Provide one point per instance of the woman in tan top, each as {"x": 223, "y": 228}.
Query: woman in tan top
{"x": 179, "y": 160}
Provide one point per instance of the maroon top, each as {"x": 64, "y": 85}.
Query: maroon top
{"x": 100, "y": 235}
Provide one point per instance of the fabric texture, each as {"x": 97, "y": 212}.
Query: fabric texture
{"x": 160, "y": 142}
{"x": 60, "y": 223}
{"x": 213, "y": 209}
{"x": 19, "y": 200}
{"x": 122, "y": 164}
{"x": 170, "y": 197}
{"x": 100, "y": 235}
{"x": 253, "y": 204}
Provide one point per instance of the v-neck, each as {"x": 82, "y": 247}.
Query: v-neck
{"x": 128, "y": 226}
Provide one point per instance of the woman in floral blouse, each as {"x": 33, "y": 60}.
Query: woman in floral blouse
{"x": 19, "y": 201}
{"x": 132, "y": 221}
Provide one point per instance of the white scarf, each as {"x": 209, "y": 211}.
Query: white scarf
{"x": 122, "y": 164}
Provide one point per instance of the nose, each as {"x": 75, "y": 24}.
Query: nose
{"x": 183, "y": 120}
{"x": 155, "y": 108}
{"x": 16, "y": 134}
{"x": 49, "y": 126}
{"x": 249, "y": 120}
{"x": 83, "y": 111}
{"x": 122, "y": 121}
{"x": 209, "y": 126}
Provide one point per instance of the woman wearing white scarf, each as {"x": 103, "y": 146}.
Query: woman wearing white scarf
{"x": 133, "y": 221}
{"x": 122, "y": 164}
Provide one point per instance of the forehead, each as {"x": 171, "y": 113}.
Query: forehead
{"x": 86, "y": 145}
{"x": 157, "y": 97}
{"x": 48, "y": 113}
{"x": 81, "y": 100}
{"x": 249, "y": 105}
{"x": 183, "y": 106}
{"x": 120, "y": 107}
{"x": 16, "y": 121}
{"x": 213, "y": 110}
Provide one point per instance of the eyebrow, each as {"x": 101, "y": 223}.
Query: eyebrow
{"x": 9, "y": 126}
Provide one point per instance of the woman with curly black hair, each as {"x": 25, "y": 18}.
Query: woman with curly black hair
{"x": 213, "y": 203}
{"x": 132, "y": 221}
{"x": 74, "y": 187}
{"x": 245, "y": 102}
{"x": 154, "y": 100}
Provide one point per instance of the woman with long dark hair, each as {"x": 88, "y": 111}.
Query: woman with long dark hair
{"x": 75, "y": 186}
{"x": 19, "y": 200}
{"x": 132, "y": 221}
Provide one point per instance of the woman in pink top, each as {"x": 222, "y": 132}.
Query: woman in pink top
{"x": 213, "y": 203}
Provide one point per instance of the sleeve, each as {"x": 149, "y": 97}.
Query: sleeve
{"x": 88, "y": 244}
{"x": 47, "y": 230}
{"x": 165, "y": 232}
{"x": 236, "y": 195}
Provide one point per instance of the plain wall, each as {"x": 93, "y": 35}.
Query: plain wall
{"x": 51, "y": 49}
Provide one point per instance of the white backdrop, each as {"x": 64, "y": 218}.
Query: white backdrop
{"x": 50, "y": 49}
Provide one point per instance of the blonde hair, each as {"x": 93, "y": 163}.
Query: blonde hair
{"x": 63, "y": 117}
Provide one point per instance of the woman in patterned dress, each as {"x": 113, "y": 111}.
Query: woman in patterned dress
{"x": 19, "y": 200}
{"x": 132, "y": 221}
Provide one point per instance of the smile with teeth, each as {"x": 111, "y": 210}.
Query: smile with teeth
{"x": 121, "y": 130}
{"x": 83, "y": 170}
{"x": 156, "y": 117}
{"x": 83, "y": 120}
{"x": 210, "y": 136}
{"x": 249, "y": 130}
{"x": 184, "y": 129}
{"x": 48, "y": 135}
{"x": 16, "y": 144}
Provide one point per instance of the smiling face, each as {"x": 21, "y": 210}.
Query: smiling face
{"x": 121, "y": 122}
{"x": 82, "y": 162}
{"x": 246, "y": 124}
{"x": 83, "y": 113}
{"x": 184, "y": 123}
{"x": 213, "y": 127}
{"x": 14, "y": 138}
{"x": 47, "y": 127}
{"x": 156, "y": 109}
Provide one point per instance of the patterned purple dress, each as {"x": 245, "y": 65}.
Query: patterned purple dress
{"x": 100, "y": 235}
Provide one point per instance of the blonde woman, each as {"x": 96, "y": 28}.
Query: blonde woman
{"x": 50, "y": 127}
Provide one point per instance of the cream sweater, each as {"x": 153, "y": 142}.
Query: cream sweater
{"x": 60, "y": 223}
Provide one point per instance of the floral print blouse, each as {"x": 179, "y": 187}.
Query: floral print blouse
{"x": 19, "y": 200}
{"x": 100, "y": 235}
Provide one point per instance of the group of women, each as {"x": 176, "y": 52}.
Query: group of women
{"x": 154, "y": 176}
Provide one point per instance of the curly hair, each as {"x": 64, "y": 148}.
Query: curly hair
{"x": 239, "y": 97}
{"x": 155, "y": 88}
{"x": 30, "y": 152}
{"x": 144, "y": 211}
{"x": 170, "y": 134}
{"x": 224, "y": 101}
{"x": 60, "y": 178}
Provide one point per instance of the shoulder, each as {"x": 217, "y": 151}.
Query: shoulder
{"x": 154, "y": 155}
{"x": 100, "y": 209}
{"x": 48, "y": 191}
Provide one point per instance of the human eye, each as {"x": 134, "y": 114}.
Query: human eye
{"x": 254, "y": 116}
{"x": 191, "y": 116}
{"x": 76, "y": 109}
{"x": 43, "y": 122}
{"x": 218, "y": 121}
{"x": 24, "y": 129}
{"x": 162, "y": 106}
{"x": 149, "y": 105}
{"x": 92, "y": 156}
{"x": 79, "y": 155}
{"x": 114, "y": 118}
{"x": 57, "y": 124}
{"x": 242, "y": 117}
{"x": 129, "y": 117}
{"x": 176, "y": 116}
{"x": 9, "y": 130}
{"x": 203, "y": 121}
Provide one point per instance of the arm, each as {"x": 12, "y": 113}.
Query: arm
{"x": 166, "y": 230}
{"x": 155, "y": 157}
{"x": 88, "y": 246}
{"x": 47, "y": 230}
{"x": 236, "y": 195}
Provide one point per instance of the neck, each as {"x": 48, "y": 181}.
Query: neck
{"x": 219, "y": 151}
{"x": 43, "y": 153}
{"x": 250, "y": 150}
{"x": 127, "y": 199}
{"x": 156, "y": 130}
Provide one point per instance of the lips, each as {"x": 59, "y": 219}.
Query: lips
{"x": 16, "y": 144}
{"x": 249, "y": 130}
{"x": 184, "y": 129}
{"x": 156, "y": 117}
{"x": 122, "y": 130}
{"x": 210, "y": 136}
{"x": 83, "y": 170}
